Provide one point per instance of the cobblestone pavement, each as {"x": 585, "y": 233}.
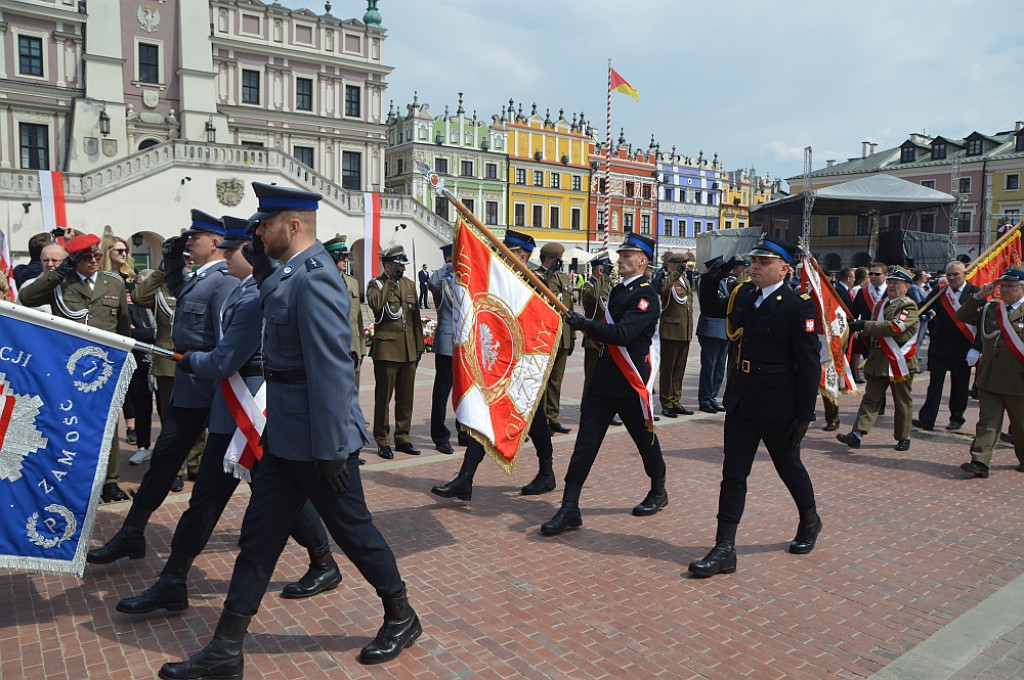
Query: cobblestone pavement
{"x": 917, "y": 574}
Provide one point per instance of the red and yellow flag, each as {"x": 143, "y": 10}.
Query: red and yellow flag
{"x": 833, "y": 332}
{"x": 619, "y": 84}
{"x": 992, "y": 266}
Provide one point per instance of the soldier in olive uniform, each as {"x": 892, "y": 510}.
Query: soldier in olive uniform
{"x": 892, "y": 336}
{"x": 396, "y": 350}
{"x": 78, "y": 291}
{"x": 595, "y": 299}
{"x": 1001, "y": 367}
{"x": 339, "y": 252}
{"x": 559, "y": 284}
{"x": 676, "y": 330}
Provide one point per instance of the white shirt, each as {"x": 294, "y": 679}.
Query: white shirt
{"x": 765, "y": 292}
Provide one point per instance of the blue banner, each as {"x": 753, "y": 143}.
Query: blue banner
{"x": 59, "y": 400}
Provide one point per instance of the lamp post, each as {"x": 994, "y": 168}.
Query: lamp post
{"x": 104, "y": 122}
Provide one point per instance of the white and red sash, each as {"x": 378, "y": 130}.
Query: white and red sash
{"x": 250, "y": 414}
{"x": 1010, "y": 336}
{"x": 897, "y": 355}
{"x": 871, "y": 299}
{"x": 629, "y": 369}
{"x": 951, "y": 301}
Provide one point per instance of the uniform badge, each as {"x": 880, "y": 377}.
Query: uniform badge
{"x": 287, "y": 271}
{"x": 643, "y": 305}
{"x": 202, "y": 275}
{"x": 809, "y": 325}
{"x": 904, "y": 314}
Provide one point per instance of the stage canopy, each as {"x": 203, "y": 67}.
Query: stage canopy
{"x": 883, "y": 194}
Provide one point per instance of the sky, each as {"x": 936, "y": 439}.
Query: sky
{"x": 754, "y": 82}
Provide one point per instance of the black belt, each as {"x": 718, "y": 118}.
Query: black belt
{"x": 179, "y": 350}
{"x": 250, "y": 371}
{"x": 765, "y": 369}
{"x": 286, "y": 376}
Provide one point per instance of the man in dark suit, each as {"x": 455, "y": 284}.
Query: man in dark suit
{"x": 424, "y": 277}
{"x": 769, "y": 397}
{"x": 950, "y": 341}
{"x": 844, "y": 282}
{"x": 619, "y": 385}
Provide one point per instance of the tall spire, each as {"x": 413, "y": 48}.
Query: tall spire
{"x": 372, "y": 17}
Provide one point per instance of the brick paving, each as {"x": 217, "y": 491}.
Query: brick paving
{"x": 909, "y": 547}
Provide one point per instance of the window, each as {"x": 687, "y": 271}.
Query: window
{"x": 928, "y": 183}
{"x": 697, "y": 197}
{"x": 907, "y": 154}
{"x": 30, "y": 55}
{"x": 728, "y": 224}
{"x": 630, "y": 189}
{"x": 645, "y": 224}
{"x": 938, "y": 151}
{"x": 711, "y": 198}
{"x": 627, "y": 222}
{"x": 304, "y": 155}
{"x": 520, "y": 176}
{"x": 602, "y": 186}
{"x": 645, "y": 191}
{"x": 491, "y": 212}
{"x": 577, "y": 183}
{"x": 974, "y": 147}
{"x": 303, "y": 94}
{"x": 491, "y": 171}
{"x": 520, "y": 215}
{"x": 926, "y": 223}
{"x": 682, "y": 195}
{"x": 470, "y": 205}
{"x": 1013, "y": 216}
{"x": 538, "y": 178}
{"x": 554, "y": 224}
{"x": 556, "y": 181}
{"x": 669, "y": 193}
{"x": 466, "y": 169}
{"x": 401, "y": 165}
{"x": 441, "y": 207}
{"x": 352, "y": 105}
{"x": 965, "y": 185}
{"x": 863, "y": 225}
{"x": 697, "y": 227}
{"x": 149, "y": 63}
{"x": 1012, "y": 182}
{"x": 538, "y": 216}
{"x": 963, "y": 222}
{"x": 600, "y": 218}
{"x": 351, "y": 170}
{"x": 441, "y": 166}
{"x": 832, "y": 226}
{"x": 35, "y": 146}
{"x": 250, "y": 87}
{"x": 577, "y": 219}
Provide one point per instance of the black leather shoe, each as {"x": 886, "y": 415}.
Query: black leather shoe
{"x": 128, "y": 542}
{"x": 112, "y": 493}
{"x": 542, "y": 483}
{"x": 652, "y": 503}
{"x": 831, "y": 427}
{"x": 683, "y": 411}
{"x": 220, "y": 660}
{"x": 178, "y": 484}
{"x": 1006, "y": 437}
{"x": 851, "y": 440}
{"x": 707, "y": 408}
{"x": 407, "y": 448}
{"x": 461, "y": 487}
{"x": 921, "y": 425}
{"x": 721, "y": 560}
{"x": 559, "y": 428}
{"x": 385, "y": 452}
{"x": 715, "y": 405}
{"x": 444, "y": 447}
{"x": 978, "y": 469}
{"x": 806, "y": 536}
{"x": 401, "y": 628}
{"x": 567, "y": 517}
{"x": 902, "y": 445}
{"x": 669, "y": 413}
{"x": 1019, "y": 468}
{"x": 616, "y": 421}
{"x": 955, "y": 425}
{"x": 168, "y": 593}
{"x": 322, "y": 575}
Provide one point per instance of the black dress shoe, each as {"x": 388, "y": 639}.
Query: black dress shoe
{"x": 385, "y": 452}
{"x": 652, "y": 503}
{"x": 921, "y": 425}
{"x": 461, "y": 487}
{"x": 955, "y": 425}
{"x": 1019, "y": 468}
{"x": 851, "y": 440}
{"x": 831, "y": 427}
{"x": 128, "y": 542}
{"x": 806, "y": 536}
{"x": 978, "y": 469}
{"x": 559, "y": 428}
{"x": 542, "y": 483}
{"x": 567, "y": 517}
{"x": 669, "y": 413}
{"x": 130, "y": 437}
{"x": 113, "y": 493}
{"x": 902, "y": 445}
{"x": 716, "y": 405}
{"x": 323, "y": 575}
{"x": 707, "y": 408}
{"x": 1006, "y": 437}
{"x": 444, "y": 447}
{"x": 616, "y": 421}
{"x": 178, "y": 484}
{"x": 721, "y": 560}
{"x": 407, "y": 448}
{"x": 683, "y": 411}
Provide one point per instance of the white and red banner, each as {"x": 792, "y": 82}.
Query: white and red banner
{"x": 7, "y": 267}
{"x": 1010, "y": 336}
{"x": 506, "y": 338}
{"x": 250, "y": 414}
{"x": 371, "y": 235}
{"x": 51, "y": 191}
{"x": 898, "y": 356}
{"x": 629, "y": 369}
{"x": 833, "y": 329}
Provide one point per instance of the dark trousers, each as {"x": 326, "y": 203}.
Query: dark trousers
{"x": 959, "y": 385}
{"x": 210, "y": 495}
{"x": 439, "y": 431}
{"x": 281, "y": 487}
{"x": 596, "y": 413}
{"x": 742, "y": 437}
{"x": 139, "y": 405}
{"x": 714, "y": 353}
{"x": 180, "y": 428}
{"x": 424, "y": 296}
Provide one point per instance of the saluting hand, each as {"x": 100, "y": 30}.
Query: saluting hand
{"x": 986, "y": 290}
{"x": 335, "y": 473}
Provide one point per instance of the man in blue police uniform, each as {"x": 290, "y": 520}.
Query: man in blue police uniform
{"x": 618, "y": 385}
{"x": 770, "y": 395}
{"x": 441, "y": 282}
{"x": 196, "y": 328}
{"x": 309, "y": 373}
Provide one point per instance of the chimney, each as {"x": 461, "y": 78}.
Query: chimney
{"x": 829, "y": 163}
{"x": 874, "y": 148}
{"x": 865, "y": 149}
{"x": 1019, "y": 126}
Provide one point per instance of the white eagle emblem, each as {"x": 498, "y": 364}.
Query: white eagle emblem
{"x": 18, "y": 432}
{"x": 488, "y": 347}
{"x": 149, "y": 18}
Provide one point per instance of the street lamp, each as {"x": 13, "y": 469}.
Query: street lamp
{"x": 104, "y": 122}
{"x": 211, "y": 131}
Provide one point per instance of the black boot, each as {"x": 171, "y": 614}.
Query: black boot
{"x": 544, "y": 481}
{"x": 129, "y": 541}
{"x": 170, "y": 592}
{"x": 568, "y": 516}
{"x": 656, "y": 499}
{"x": 323, "y": 574}
{"x": 806, "y": 533}
{"x": 722, "y": 558}
{"x": 221, "y": 659}
{"x": 401, "y": 628}
{"x": 462, "y": 486}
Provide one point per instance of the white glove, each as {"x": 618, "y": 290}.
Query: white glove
{"x": 972, "y": 356}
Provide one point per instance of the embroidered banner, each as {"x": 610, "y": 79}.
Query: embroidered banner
{"x": 833, "y": 332}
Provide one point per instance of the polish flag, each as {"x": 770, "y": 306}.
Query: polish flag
{"x": 51, "y": 190}
{"x": 371, "y": 235}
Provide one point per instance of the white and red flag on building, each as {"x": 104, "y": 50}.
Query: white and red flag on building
{"x": 371, "y": 235}
{"x": 833, "y": 329}
{"x": 51, "y": 193}
{"x": 7, "y": 267}
{"x": 506, "y": 338}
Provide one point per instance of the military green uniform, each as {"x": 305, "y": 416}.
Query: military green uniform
{"x": 561, "y": 286}
{"x": 595, "y": 300}
{"x": 900, "y": 323}
{"x": 676, "y": 330}
{"x": 397, "y": 346}
{"x": 1000, "y": 378}
{"x": 355, "y": 319}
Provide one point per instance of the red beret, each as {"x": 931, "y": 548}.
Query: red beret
{"x": 82, "y": 243}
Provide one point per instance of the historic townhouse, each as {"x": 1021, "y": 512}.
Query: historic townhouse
{"x": 632, "y": 192}
{"x": 689, "y": 199}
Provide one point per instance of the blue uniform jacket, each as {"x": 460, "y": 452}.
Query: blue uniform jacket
{"x": 441, "y": 282}
{"x": 240, "y": 346}
{"x": 305, "y": 308}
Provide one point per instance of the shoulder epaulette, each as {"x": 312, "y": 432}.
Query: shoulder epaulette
{"x": 805, "y": 296}
{"x": 313, "y": 264}
{"x": 645, "y": 283}
{"x": 112, "y": 275}
{"x": 377, "y": 282}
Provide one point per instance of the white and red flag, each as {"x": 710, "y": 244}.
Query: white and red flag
{"x": 833, "y": 332}
{"x": 7, "y": 267}
{"x": 506, "y": 337}
{"x": 250, "y": 414}
{"x": 51, "y": 193}
{"x": 371, "y": 235}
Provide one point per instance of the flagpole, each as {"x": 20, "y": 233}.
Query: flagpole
{"x": 608, "y": 161}
{"x": 27, "y": 314}
{"x": 823, "y": 277}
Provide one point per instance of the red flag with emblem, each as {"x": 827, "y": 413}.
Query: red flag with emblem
{"x": 506, "y": 338}
{"x": 833, "y": 332}
{"x": 1006, "y": 252}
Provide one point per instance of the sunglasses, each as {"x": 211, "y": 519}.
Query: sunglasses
{"x": 123, "y": 251}
{"x": 93, "y": 256}
{"x": 876, "y": 273}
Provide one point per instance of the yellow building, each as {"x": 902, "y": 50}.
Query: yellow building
{"x": 740, "y": 190}
{"x": 548, "y": 177}
{"x": 1007, "y": 194}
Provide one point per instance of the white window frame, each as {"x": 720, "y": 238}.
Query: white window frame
{"x": 161, "y": 52}
{"x": 45, "y": 50}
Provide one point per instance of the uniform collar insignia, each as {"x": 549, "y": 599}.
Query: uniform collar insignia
{"x": 287, "y": 271}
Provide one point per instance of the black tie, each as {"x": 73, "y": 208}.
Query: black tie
{"x": 759, "y": 299}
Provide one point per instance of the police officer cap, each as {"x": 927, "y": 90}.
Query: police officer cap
{"x": 635, "y": 241}
{"x": 394, "y": 254}
{"x": 713, "y": 262}
{"x": 446, "y": 249}
{"x": 337, "y": 246}
{"x": 900, "y": 274}
{"x": 202, "y": 222}
{"x": 83, "y": 243}
{"x": 274, "y": 199}
{"x": 552, "y": 248}
{"x": 769, "y": 246}
{"x": 1013, "y": 273}
{"x": 236, "y": 231}
{"x": 517, "y": 239}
